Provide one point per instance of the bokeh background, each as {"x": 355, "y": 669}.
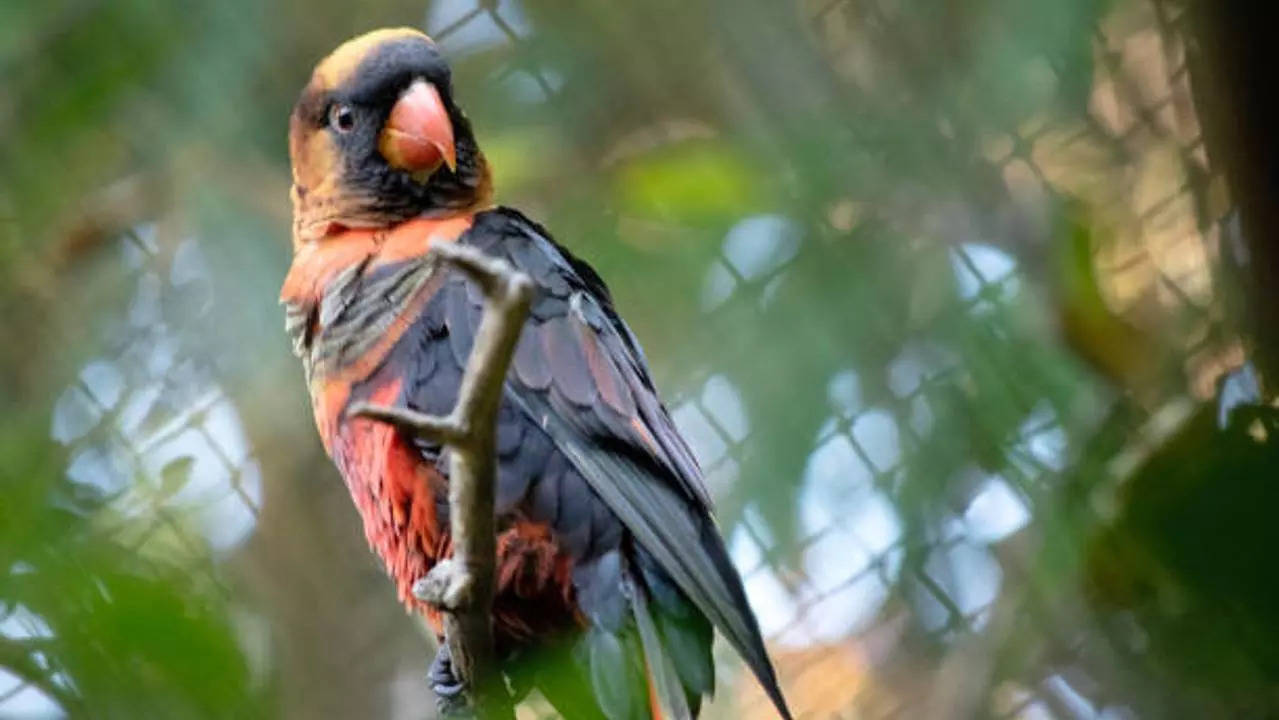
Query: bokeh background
{"x": 944, "y": 295}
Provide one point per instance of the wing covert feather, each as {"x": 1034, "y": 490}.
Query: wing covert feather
{"x": 601, "y": 410}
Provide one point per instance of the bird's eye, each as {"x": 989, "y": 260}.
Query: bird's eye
{"x": 341, "y": 118}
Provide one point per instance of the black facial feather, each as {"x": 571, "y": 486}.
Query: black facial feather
{"x": 389, "y": 69}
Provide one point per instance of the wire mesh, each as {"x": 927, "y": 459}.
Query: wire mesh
{"x": 873, "y": 603}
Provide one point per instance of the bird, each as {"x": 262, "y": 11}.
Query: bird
{"x": 612, "y": 575}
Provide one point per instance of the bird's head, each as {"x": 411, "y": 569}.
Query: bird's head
{"x": 376, "y": 139}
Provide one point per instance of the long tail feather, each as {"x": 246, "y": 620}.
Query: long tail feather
{"x": 665, "y": 688}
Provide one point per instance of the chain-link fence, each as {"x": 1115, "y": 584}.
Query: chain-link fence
{"x": 1135, "y": 157}
{"x": 1019, "y": 280}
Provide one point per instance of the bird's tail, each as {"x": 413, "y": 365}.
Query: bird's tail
{"x": 666, "y": 695}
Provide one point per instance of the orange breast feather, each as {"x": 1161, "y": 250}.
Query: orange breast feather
{"x": 395, "y": 493}
{"x": 318, "y": 263}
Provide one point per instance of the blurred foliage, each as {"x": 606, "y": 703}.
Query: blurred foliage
{"x": 93, "y": 625}
{"x": 1184, "y": 557}
{"x": 894, "y": 263}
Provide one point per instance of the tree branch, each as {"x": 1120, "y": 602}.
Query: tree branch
{"x": 463, "y": 586}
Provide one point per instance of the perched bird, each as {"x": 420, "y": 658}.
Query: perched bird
{"x": 611, "y": 573}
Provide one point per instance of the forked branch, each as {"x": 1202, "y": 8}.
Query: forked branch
{"x": 463, "y": 587}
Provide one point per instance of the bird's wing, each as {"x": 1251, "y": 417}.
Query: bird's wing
{"x": 580, "y": 377}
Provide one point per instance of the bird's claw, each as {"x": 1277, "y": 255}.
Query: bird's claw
{"x": 1236, "y": 389}
{"x": 450, "y": 695}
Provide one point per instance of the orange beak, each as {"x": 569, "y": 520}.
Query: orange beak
{"x": 418, "y": 136}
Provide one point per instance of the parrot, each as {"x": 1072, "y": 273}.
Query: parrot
{"x": 611, "y": 574}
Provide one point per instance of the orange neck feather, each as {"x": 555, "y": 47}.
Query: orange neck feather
{"x": 315, "y": 263}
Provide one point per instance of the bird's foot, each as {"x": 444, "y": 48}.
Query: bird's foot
{"x": 450, "y": 695}
{"x": 448, "y": 586}
{"x": 1237, "y": 389}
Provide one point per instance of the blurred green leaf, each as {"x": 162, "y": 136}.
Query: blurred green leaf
{"x": 692, "y": 184}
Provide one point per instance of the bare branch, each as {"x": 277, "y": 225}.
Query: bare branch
{"x": 462, "y": 587}
{"x": 442, "y": 430}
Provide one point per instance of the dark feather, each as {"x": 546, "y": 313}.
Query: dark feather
{"x": 565, "y": 355}
{"x": 510, "y": 431}
{"x": 544, "y": 500}
{"x": 662, "y": 672}
{"x": 573, "y": 525}
{"x": 616, "y": 666}
{"x": 601, "y": 597}
{"x": 531, "y": 368}
{"x": 685, "y": 632}
{"x": 663, "y": 525}
{"x": 652, "y": 484}
{"x": 460, "y": 327}
{"x": 586, "y": 447}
